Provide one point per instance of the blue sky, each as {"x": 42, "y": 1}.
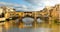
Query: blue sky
{"x": 29, "y": 5}
{"x": 15, "y": 1}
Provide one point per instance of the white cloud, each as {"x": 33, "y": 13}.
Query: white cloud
{"x": 20, "y": 7}
{"x": 16, "y": 6}
{"x": 36, "y": 5}
{"x": 9, "y": 4}
{"x": 42, "y": 3}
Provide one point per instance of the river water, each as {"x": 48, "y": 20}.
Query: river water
{"x": 15, "y": 29}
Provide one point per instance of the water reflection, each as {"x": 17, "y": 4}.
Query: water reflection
{"x": 39, "y": 20}
{"x": 28, "y": 20}
{"x": 29, "y": 30}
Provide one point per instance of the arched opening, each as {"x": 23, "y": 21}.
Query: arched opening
{"x": 28, "y": 20}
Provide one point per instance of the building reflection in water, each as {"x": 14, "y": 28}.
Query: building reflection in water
{"x": 15, "y": 29}
{"x": 28, "y": 20}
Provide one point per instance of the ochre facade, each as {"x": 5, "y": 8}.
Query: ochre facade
{"x": 49, "y": 17}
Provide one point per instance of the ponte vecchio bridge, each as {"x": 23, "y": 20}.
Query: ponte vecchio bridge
{"x": 45, "y": 18}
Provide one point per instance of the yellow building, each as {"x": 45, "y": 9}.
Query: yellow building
{"x": 48, "y": 15}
